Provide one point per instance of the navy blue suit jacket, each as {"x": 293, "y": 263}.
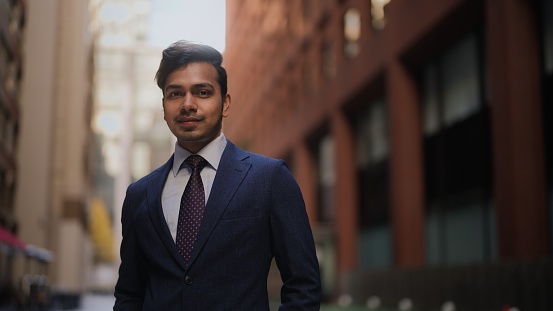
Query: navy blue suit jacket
{"x": 255, "y": 212}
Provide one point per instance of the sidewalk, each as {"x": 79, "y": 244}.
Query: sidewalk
{"x": 104, "y": 302}
{"x": 350, "y": 308}
{"x": 95, "y": 302}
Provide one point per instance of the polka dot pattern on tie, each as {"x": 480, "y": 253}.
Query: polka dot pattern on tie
{"x": 192, "y": 207}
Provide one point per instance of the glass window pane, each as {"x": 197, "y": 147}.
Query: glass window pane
{"x": 378, "y": 13}
{"x": 430, "y": 101}
{"x": 372, "y": 146}
{"x": 326, "y": 178}
{"x": 375, "y": 247}
{"x": 433, "y": 235}
{"x": 461, "y": 81}
{"x": 352, "y": 32}
{"x": 461, "y": 234}
{"x": 363, "y": 139}
{"x": 372, "y": 134}
{"x": 378, "y": 127}
{"x": 464, "y": 234}
{"x": 459, "y": 223}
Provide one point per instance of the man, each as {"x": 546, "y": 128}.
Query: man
{"x": 200, "y": 233}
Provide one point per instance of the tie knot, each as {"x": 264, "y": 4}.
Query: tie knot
{"x": 196, "y": 162}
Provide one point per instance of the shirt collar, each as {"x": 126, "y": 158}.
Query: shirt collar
{"x": 212, "y": 153}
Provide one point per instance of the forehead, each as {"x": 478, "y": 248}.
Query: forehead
{"x": 191, "y": 74}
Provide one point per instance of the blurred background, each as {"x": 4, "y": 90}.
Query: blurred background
{"x": 420, "y": 132}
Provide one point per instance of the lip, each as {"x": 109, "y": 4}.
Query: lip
{"x": 187, "y": 121}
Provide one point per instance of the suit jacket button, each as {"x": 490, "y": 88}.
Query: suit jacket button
{"x": 188, "y": 280}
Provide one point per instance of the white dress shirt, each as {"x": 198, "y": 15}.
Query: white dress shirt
{"x": 177, "y": 179}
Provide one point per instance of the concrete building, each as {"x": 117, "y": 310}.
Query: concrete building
{"x": 421, "y": 135}
{"x": 54, "y": 141}
{"x": 130, "y": 133}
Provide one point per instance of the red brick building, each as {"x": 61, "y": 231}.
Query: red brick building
{"x": 420, "y": 133}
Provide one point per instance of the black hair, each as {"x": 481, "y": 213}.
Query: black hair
{"x": 182, "y": 53}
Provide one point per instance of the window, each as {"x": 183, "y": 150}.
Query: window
{"x": 457, "y": 157}
{"x": 372, "y": 154}
{"x": 352, "y": 32}
{"x": 327, "y": 178}
{"x": 378, "y": 14}
{"x": 321, "y": 146}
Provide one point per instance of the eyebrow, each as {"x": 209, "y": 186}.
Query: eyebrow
{"x": 172, "y": 87}
{"x": 195, "y": 86}
{"x": 203, "y": 85}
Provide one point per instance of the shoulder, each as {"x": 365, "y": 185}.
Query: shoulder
{"x": 255, "y": 159}
{"x": 265, "y": 160}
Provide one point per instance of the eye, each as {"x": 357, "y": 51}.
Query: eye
{"x": 174, "y": 94}
{"x": 204, "y": 93}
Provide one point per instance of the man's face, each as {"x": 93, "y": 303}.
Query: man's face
{"x": 193, "y": 106}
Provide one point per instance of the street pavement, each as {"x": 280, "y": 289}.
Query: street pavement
{"x": 104, "y": 302}
{"x": 96, "y": 302}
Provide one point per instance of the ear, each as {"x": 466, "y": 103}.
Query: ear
{"x": 226, "y": 105}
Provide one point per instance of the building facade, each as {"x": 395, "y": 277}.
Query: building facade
{"x": 420, "y": 134}
{"x": 12, "y": 24}
{"x": 130, "y": 133}
{"x": 54, "y": 142}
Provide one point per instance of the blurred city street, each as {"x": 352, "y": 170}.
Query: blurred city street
{"x": 419, "y": 133}
{"x": 95, "y": 302}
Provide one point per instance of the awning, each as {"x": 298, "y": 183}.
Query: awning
{"x": 38, "y": 253}
{"x": 10, "y": 239}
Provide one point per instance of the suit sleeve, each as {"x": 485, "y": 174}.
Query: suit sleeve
{"x": 293, "y": 245}
{"x": 131, "y": 284}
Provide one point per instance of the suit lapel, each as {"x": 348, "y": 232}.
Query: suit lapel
{"x": 155, "y": 209}
{"x": 232, "y": 170}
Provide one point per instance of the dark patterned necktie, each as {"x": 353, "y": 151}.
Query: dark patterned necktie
{"x": 192, "y": 205}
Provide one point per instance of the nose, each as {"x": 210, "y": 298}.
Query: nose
{"x": 188, "y": 103}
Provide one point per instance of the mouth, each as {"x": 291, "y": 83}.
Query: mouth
{"x": 188, "y": 121}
